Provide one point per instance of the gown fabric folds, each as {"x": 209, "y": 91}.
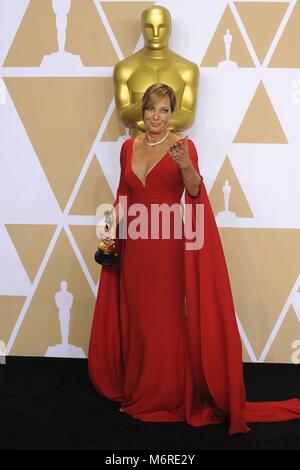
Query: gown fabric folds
{"x": 164, "y": 340}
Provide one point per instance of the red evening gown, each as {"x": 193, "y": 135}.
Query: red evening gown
{"x": 164, "y": 340}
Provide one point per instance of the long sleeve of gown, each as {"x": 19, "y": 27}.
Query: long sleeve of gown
{"x": 104, "y": 359}
{"x": 215, "y": 341}
{"x": 214, "y": 337}
{"x": 123, "y": 189}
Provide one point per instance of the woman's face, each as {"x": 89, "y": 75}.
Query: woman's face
{"x": 157, "y": 116}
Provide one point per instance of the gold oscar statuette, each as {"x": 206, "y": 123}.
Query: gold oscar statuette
{"x": 155, "y": 62}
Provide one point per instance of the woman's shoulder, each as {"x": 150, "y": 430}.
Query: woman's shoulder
{"x": 126, "y": 144}
{"x": 130, "y": 140}
{"x": 126, "y": 141}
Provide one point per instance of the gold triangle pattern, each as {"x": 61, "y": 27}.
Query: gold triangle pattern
{"x": 237, "y": 201}
{"x": 258, "y": 260}
{"x": 260, "y": 123}
{"x": 285, "y": 52}
{"x": 10, "y": 308}
{"x": 125, "y": 21}
{"x": 41, "y": 326}
{"x": 283, "y": 343}
{"x": 68, "y": 107}
{"x": 114, "y": 129}
{"x": 31, "y": 242}
{"x": 87, "y": 241}
{"x": 35, "y": 37}
{"x": 262, "y": 32}
{"x": 93, "y": 44}
{"x": 216, "y": 50}
{"x": 93, "y": 191}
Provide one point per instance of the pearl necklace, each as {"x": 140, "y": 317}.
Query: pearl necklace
{"x": 156, "y": 143}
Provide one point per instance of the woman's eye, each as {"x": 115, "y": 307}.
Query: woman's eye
{"x": 163, "y": 110}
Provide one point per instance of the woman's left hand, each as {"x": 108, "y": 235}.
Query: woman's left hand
{"x": 179, "y": 152}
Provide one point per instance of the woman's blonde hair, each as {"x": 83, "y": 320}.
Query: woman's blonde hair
{"x": 156, "y": 93}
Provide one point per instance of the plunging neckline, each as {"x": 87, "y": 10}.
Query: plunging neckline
{"x": 148, "y": 173}
{"x": 151, "y": 169}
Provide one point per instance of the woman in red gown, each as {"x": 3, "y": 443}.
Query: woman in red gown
{"x": 164, "y": 340}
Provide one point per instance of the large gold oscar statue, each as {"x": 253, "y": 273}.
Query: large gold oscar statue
{"x": 155, "y": 63}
